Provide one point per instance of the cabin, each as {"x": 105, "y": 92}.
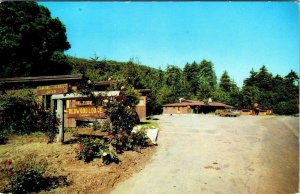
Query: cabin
{"x": 190, "y": 107}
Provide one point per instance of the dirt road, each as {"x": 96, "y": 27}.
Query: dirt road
{"x": 211, "y": 154}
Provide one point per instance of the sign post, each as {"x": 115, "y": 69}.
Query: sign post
{"x": 60, "y": 116}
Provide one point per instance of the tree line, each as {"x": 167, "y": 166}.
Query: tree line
{"x": 33, "y": 43}
{"x": 198, "y": 81}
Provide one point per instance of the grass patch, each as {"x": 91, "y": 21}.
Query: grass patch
{"x": 148, "y": 123}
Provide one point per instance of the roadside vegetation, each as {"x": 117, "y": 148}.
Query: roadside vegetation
{"x": 27, "y": 130}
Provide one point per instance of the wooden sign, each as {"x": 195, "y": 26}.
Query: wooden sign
{"x": 52, "y": 89}
{"x": 86, "y": 112}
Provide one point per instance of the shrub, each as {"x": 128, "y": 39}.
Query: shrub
{"x": 48, "y": 123}
{"x": 121, "y": 142}
{"x": 105, "y": 125}
{"x": 129, "y": 142}
{"x": 3, "y": 139}
{"x": 96, "y": 125}
{"x": 20, "y": 114}
{"x": 286, "y": 108}
{"x": 121, "y": 111}
{"x": 25, "y": 178}
{"x": 140, "y": 138}
{"x": 89, "y": 149}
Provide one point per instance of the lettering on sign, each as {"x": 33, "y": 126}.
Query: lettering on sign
{"x": 85, "y": 112}
{"x": 52, "y": 89}
{"x": 84, "y": 103}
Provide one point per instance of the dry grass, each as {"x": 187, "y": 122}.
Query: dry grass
{"x": 93, "y": 177}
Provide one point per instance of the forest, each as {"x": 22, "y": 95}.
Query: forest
{"x": 33, "y": 43}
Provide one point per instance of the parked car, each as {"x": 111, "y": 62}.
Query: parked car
{"x": 229, "y": 113}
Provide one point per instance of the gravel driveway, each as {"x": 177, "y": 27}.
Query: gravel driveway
{"x": 211, "y": 154}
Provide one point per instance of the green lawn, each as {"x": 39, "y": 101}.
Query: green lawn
{"x": 148, "y": 123}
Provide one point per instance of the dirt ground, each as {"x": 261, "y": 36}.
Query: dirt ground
{"x": 93, "y": 177}
{"x": 212, "y": 154}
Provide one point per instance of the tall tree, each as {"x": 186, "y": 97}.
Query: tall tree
{"x": 207, "y": 79}
{"x": 173, "y": 84}
{"x": 31, "y": 42}
{"x": 264, "y": 79}
{"x": 132, "y": 75}
{"x": 225, "y": 82}
{"x": 191, "y": 75}
{"x": 252, "y": 80}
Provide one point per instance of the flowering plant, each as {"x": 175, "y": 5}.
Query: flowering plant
{"x": 24, "y": 178}
{"x": 92, "y": 148}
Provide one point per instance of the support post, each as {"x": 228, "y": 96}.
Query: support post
{"x": 60, "y": 116}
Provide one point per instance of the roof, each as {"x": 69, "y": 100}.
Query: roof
{"x": 197, "y": 103}
{"x": 41, "y": 78}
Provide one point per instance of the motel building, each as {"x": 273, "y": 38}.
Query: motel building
{"x": 196, "y": 107}
{"x": 60, "y": 93}
{"x": 193, "y": 107}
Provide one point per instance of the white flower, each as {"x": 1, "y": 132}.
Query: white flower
{"x": 104, "y": 154}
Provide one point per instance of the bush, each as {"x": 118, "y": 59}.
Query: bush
{"x": 25, "y": 178}
{"x": 89, "y": 149}
{"x": 96, "y": 125}
{"x": 129, "y": 142}
{"x": 286, "y": 108}
{"x": 20, "y": 114}
{"x": 3, "y": 139}
{"x": 121, "y": 142}
{"x": 140, "y": 138}
{"x": 121, "y": 111}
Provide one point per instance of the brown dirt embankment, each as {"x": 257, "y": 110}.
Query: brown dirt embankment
{"x": 93, "y": 177}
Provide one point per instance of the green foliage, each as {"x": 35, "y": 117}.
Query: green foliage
{"x": 31, "y": 42}
{"x": 220, "y": 95}
{"x": 3, "y": 139}
{"x": 174, "y": 86}
{"x": 28, "y": 180}
{"x": 140, "y": 138}
{"x": 126, "y": 142}
{"x": 287, "y": 107}
{"x": 20, "y": 114}
{"x": 225, "y": 82}
{"x": 277, "y": 93}
{"x": 200, "y": 80}
{"x": 207, "y": 72}
{"x": 197, "y": 81}
{"x": 24, "y": 178}
{"x": 89, "y": 149}
{"x": 121, "y": 111}
{"x": 121, "y": 142}
{"x": 96, "y": 125}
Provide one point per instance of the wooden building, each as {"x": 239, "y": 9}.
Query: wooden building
{"x": 189, "y": 106}
{"x": 76, "y": 107}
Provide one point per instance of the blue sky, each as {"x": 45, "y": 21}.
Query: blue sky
{"x": 235, "y": 36}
